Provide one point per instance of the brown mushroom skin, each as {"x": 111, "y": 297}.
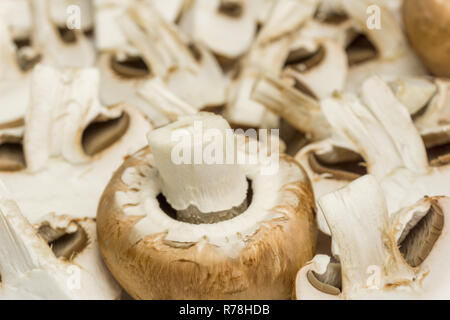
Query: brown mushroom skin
{"x": 427, "y": 24}
{"x": 154, "y": 268}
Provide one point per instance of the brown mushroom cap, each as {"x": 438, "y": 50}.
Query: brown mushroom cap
{"x": 427, "y": 24}
{"x": 156, "y": 268}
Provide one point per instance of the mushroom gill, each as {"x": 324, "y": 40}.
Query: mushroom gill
{"x": 12, "y": 157}
{"x": 130, "y": 67}
{"x": 230, "y": 8}
{"x": 329, "y": 282}
{"x": 64, "y": 244}
{"x": 360, "y": 50}
{"x": 100, "y": 135}
{"x": 340, "y": 163}
{"x": 420, "y": 235}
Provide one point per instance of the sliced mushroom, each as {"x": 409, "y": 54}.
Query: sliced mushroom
{"x": 382, "y": 256}
{"x": 268, "y": 53}
{"x": 59, "y": 45}
{"x": 198, "y": 223}
{"x": 226, "y": 27}
{"x": 186, "y": 67}
{"x": 30, "y": 270}
{"x": 381, "y": 130}
{"x": 323, "y": 73}
{"x": 71, "y": 144}
{"x": 394, "y": 56}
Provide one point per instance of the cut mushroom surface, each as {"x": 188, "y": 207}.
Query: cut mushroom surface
{"x": 71, "y": 144}
{"x": 31, "y": 270}
{"x": 132, "y": 56}
{"x": 268, "y": 53}
{"x": 211, "y": 230}
{"x": 381, "y": 131}
{"x": 381, "y": 256}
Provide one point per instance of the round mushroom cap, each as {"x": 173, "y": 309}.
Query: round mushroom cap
{"x": 427, "y": 25}
{"x": 254, "y": 255}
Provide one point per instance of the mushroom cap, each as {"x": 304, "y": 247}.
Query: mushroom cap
{"x": 251, "y": 256}
{"x": 427, "y": 25}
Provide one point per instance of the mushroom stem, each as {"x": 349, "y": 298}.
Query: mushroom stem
{"x": 361, "y": 239}
{"x": 297, "y": 108}
{"x": 197, "y": 173}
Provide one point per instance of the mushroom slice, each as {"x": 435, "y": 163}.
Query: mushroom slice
{"x": 60, "y": 46}
{"x": 71, "y": 144}
{"x": 226, "y": 27}
{"x": 169, "y": 9}
{"x": 30, "y": 270}
{"x": 382, "y": 132}
{"x": 394, "y": 56}
{"x": 184, "y": 66}
{"x": 229, "y": 217}
{"x": 59, "y": 12}
{"x": 413, "y": 92}
{"x": 294, "y": 106}
{"x": 268, "y": 53}
{"x": 381, "y": 255}
{"x": 325, "y": 72}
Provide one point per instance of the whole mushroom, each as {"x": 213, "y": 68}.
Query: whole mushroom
{"x": 427, "y": 24}
{"x": 206, "y": 230}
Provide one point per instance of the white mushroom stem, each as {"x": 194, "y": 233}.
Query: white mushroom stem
{"x": 227, "y": 35}
{"x": 30, "y": 270}
{"x": 358, "y": 223}
{"x": 55, "y": 51}
{"x": 300, "y": 110}
{"x": 186, "y": 67}
{"x": 158, "y": 95}
{"x": 329, "y": 75}
{"x": 188, "y": 155}
{"x": 413, "y": 92}
{"x": 63, "y": 103}
{"x": 269, "y": 52}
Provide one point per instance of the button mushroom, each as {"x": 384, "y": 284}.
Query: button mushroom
{"x": 205, "y": 230}
{"x": 71, "y": 144}
{"x": 427, "y": 25}
{"x": 381, "y": 256}
{"x": 33, "y": 268}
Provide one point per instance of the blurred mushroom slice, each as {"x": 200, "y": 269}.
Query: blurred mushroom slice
{"x": 268, "y": 53}
{"x": 383, "y": 133}
{"x": 434, "y": 121}
{"x": 226, "y": 27}
{"x": 158, "y": 95}
{"x": 382, "y": 255}
{"x": 70, "y": 136}
{"x": 30, "y": 270}
{"x": 324, "y": 71}
{"x": 186, "y": 67}
{"x": 16, "y": 14}
{"x": 169, "y": 9}
{"x": 297, "y": 108}
{"x": 60, "y": 46}
{"x": 59, "y": 13}
{"x": 394, "y": 56}
{"x": 413, "y": 92}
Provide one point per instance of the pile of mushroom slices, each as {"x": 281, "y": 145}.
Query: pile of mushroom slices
{"x": 88, "y": 117}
